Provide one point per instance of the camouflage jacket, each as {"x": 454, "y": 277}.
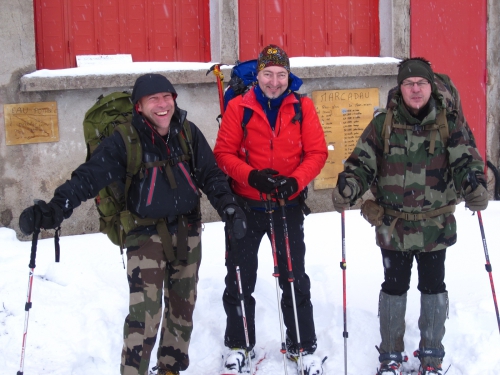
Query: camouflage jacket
{"x": 409, "y": 179}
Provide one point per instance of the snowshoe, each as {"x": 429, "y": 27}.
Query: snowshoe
{"x": 313, "y": 365}
{"x": 390, "y": 368}
{"x": 164, "y": 372}
{"x": 429, "y": 370}
{"x": 235, "y": 361}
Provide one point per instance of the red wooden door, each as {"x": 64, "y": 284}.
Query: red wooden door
{"x": 310, "y": 27}
{"x": 51, "y": 34}
{"x": 452, "y": 36}
{"x": 149, "y": 30}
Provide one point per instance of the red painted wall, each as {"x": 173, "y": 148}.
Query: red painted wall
{"x": 452, "y": 36}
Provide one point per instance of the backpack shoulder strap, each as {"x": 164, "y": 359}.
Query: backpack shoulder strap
{"x": 298, "y": 109}
{"x": 134, "y": 152}
{"x": 186, "y": 141}
{"x": 247, "y": 115}
{"x": 444, "y": 131}
{"x": 185, "y": 138}
{"x": 386, "y": 130}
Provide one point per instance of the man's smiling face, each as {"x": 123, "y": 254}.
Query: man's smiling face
{"x": 158, "y": 110}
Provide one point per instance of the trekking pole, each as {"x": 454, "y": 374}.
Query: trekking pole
{"x": 220, "y": 84}
{"x": 291, "y": 280}
{"x": 474, "y": 184}
{"x": 32, "y": 265}
{"x": 345, "y": 334}
{"x": 343, "y": 266}
{"x": 234, "y": 248}
{"x": 276, "y": 275}
{"x": 488, "y": 266}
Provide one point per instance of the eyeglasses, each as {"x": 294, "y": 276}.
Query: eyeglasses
{"x": 420, "y": 84}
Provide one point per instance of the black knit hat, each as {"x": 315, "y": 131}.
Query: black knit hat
{"x": 415, "y": 67}
{"x": 149, "y": 84}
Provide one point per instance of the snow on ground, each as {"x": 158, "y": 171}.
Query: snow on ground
{"x": 79, "y": 304}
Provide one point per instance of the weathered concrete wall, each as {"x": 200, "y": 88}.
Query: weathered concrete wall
{"x": 400, "y": 28}
{"x": 17, "y": 44}
{"x": 493, "y": 84}
{"x": 17, "y": 41}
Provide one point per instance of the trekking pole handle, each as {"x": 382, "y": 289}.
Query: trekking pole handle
{"x": 36, "y": 232}
{"x": 342, "y": 182}
{"x": 230, "y": 211}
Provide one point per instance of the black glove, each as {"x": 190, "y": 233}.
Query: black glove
{"x": 50, "y": 214}
{"x": 286, "y": 187}
{"x": 238, "y": 220}
{"x": 263, "y": 180}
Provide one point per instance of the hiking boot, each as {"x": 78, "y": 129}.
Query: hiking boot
{"x": 313, "y": 365}
{"x": 236, "y": 361}
{"x": 429, "y": 370}
{"x": 390, "y": 368}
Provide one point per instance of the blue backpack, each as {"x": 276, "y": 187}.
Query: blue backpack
{"x": 243, "y": 77}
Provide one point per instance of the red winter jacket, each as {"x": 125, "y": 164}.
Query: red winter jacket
{"x": 287, "y": 149}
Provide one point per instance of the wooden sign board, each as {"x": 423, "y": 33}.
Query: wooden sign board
{"x": 31, "y": 123}
{"x": 344, "y": 114}
{"x": 92, "y": 60}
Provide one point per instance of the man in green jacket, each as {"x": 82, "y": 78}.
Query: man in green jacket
{"x": 417, "y": 157}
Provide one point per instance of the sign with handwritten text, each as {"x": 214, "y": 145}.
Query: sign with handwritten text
{"x": 344, "y": 114}
{"x": 31, "y": 123}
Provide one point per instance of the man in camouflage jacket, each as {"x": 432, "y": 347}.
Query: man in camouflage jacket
{"x": 417, "y": 157}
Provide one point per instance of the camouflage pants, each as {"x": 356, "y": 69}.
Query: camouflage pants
{"x": 150, "y": 276}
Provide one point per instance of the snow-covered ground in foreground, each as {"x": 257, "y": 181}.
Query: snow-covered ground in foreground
{"x": 79, "y": 304}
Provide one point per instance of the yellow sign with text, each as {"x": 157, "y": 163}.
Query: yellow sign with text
{"x": 31, "y": 123}
{"x": 344, "y": 114}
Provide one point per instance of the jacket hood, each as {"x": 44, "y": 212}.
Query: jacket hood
{"x": 294, "y": 82}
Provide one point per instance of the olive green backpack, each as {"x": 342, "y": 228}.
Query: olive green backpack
{"x": 110, "y": 113}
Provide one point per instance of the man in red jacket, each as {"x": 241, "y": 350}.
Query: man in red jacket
{"x": 276, "y": 153}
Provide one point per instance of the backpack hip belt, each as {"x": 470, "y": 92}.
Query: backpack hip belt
{"x": 129, "y": 222}
{"x": 408, "y": 216}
